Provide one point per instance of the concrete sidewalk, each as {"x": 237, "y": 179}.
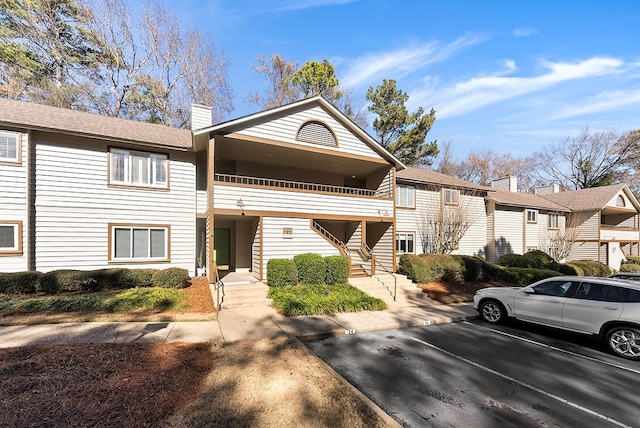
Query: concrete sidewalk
{"x": 235, "y": 324}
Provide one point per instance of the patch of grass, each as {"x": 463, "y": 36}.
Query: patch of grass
{"x": 134, "y": 299}
{"x": 322, "y": 299}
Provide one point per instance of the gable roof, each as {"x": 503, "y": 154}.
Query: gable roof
{"x": 38, "y": 117}
{"x": 428, "y": 176}
{"x": 591, "y": 199}
{"x": 234, "y": 124}
{"x": 524, "y": 200}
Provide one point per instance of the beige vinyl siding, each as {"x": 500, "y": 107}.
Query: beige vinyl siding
{"x": 354, "y": 236}
{"x": 13, "y": 205}
{"x": 278, "y": 201}
{"x": 533, "y": 231}
{"x": 508, "y": 231}
{"x": 286, "y": 127}
{"x": 303, "y": 240}
{"x": 589, "y": 226}
{"x": 491, "y": 244}
{"x": 74, "y": 206}
{"x": 256, "y": 253}
{"x": 473, "y": 243}
{"x": 201, "y": 201}
{"x": 627, "y": 202}
{"x": 386, "y": 186}
{"x": 383, "y": 249}
{"x": 584, "y": 251}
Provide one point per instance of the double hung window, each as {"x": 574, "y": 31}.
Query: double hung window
{"x": 131, "y": 168}
{"x": 405, "y": 196}
{"x": 404, "y": 243}
{"x": 139, "y": 243}
{"x": 10, "y": 238}
{"x": 9, "y": 147}
{"x": 553, "y": 221}
{"x": 532, "y": 216}
{"x": 451, "y": 196}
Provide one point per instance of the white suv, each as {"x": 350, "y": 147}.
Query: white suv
{"x": 605, "y": 307}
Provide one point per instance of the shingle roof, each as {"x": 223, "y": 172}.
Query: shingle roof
{"x": 54, "y": 119}
{"x": 591, "y": 199}
{"x": 428, "y": 176}
{"x": 529, "y": 200}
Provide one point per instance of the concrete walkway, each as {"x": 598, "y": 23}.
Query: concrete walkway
{"x": 235, "y": 324}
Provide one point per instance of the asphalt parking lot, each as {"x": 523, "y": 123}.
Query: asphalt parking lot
{"x": 473, "y": 374}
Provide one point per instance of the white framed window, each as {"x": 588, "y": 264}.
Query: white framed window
{"x": 139, "y": 243}
{"x": 532, "y": 216}
{"x": 132, "y": 168}
{"x": 10, "y": 238}
{"x": 9, "y": 147}
{"x": 405, "y": 196}
{"x": 553, "y": 221}
{"x": 405, "y": 243}
{"x": 451, "y": 196}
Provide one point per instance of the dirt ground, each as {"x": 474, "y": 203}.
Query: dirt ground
{"x": 266, "y": 383}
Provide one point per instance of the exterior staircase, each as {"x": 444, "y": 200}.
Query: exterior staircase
{"x": 382, "y": 286}
{"x": 245, "y": 296}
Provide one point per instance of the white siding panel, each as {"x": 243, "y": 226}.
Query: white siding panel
{"x": 588, "y": 225}
{"x": 285, "y": 129}
{"x": 74, "y": 206}
{"x": 508, "y": 231}
{"x": 304, "y": 240}
{"x": 584, "y": 251}
{"x": 473, "y": 243}
{"x": 13, "y": 205}
{"x": 269, "y": 200}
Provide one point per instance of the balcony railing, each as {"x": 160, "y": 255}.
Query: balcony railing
{"x": 297, "y": 185}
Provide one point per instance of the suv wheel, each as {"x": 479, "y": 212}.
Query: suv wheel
{"x": 625, "y": 342}
{"x": 492, "y": 311}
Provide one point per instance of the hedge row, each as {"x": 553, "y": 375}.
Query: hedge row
{"x": 91, "y": 280}
{"x": 455, "y": 268}
{"x": 308, "y": 269}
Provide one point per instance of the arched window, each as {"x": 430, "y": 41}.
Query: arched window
{"x": 316, "y": 132}
{"x": 620, "y": 201}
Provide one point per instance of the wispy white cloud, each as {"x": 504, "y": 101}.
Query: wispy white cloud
{"x": 604, "y": 101}
{"x": 464, "y": 97}
{"x": 306, "y": 4}
{"x": 524, "y": 31}
{"x": 400, "y": 62}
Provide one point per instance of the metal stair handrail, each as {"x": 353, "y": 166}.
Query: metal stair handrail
{"x": 218, "y": 286}
{"x": 393, "y": 293}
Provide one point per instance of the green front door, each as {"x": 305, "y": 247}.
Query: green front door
{"x": 222, "y": 248}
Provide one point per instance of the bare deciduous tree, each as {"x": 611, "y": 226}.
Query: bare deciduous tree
{"x": 441, "y": 226}
{"x": 277, "y": 71}
{"x": 559, "y": 242}
{"x": 591, "y": 159}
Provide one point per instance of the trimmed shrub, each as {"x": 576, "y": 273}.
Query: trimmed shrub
{"x": 522, "y": 276}
{"x": 630, "y": 267}
{"x": 445, "y": 267}
{"x": 540, "y": 260}
{"x": 415, "y": 268}
{"x": 513, "y": 260}
{"x": 337, "y": 270}
{"x": 591, "y": 267}
{"x": 312, "y": 268}
{"x": 19, "y": 282}
{"x": 282, "y": 273}
{"x": 476, "y": 268}
{"x": 632, "y": 260}
{"x": 171, "y": 278}
{"x": 569, "y": 269}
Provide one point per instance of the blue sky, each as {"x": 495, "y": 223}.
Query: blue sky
{"x": 509, "y": 76}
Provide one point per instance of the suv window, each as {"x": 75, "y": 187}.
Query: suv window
{"x": 553, "y": 288}
{"x": 630, "y": 295}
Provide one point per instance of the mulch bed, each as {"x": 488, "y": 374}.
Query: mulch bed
{"x": 123, "y": 385}
{"x": 448, "y": 292}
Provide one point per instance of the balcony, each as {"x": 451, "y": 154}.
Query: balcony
{"x": 266, "y": 195}
{"x": 297, "y": 185}
{"x": 617, "y": 233}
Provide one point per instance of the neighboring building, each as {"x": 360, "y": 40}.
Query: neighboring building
{"x": 432, "y": 207}
{"x": 521, "y": 222}
{"x": 83, "y": 191}
{"x": 606, "y": 222}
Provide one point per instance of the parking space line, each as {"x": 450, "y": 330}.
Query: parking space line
{"x": 518, "y": 382}
{"x": 554, "y": 348}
